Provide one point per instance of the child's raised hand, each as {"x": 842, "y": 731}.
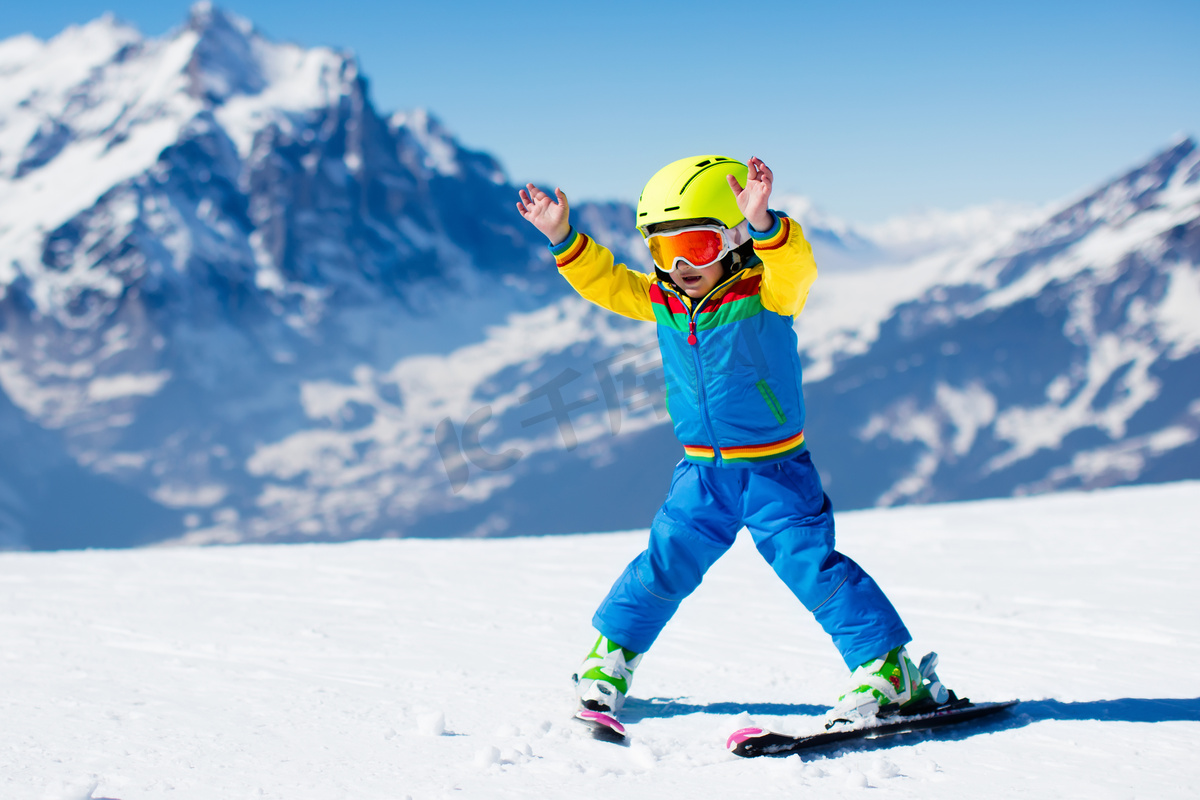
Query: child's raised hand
{"x": 544, "y": 213}
{"x": 753, "y": 199}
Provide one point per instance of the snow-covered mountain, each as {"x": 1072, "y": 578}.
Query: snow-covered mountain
{"x": 195, "y": 227}
{"x": 1067, "y": 356}
{"x": 1062, "y": 354}
{"x": 840, "y": 245}
{"x": 238, "y": 303}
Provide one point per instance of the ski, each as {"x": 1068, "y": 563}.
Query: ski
{"x": 604, "y": 727}
{"x": 752, "y": 742}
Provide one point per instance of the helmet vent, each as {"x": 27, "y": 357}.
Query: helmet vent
{"x": 704, "y": 163}
{"x": 672, "y": 208}
{"x": 696, "y": 174}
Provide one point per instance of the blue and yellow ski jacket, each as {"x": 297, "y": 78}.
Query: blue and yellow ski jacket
{"x": 731, "y": 364}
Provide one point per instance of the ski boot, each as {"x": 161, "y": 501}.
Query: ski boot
{"x": 601, "y": 684}
{"x": 891, "y": 684}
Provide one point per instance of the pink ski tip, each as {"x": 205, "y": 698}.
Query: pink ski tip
{"x": 603, "y": 719}
{"x": 737, "y": 737}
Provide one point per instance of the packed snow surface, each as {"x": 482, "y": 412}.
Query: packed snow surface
{"x": 437, "y": 669}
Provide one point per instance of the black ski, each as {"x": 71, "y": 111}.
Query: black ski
{"x": 751, "y": 742}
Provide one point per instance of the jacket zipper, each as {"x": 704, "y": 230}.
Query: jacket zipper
{"x": 702, "y": 396}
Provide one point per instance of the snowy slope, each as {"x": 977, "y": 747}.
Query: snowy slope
{"x": 428, "y": 669}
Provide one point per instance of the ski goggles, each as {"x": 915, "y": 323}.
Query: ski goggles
{"x": 698, "y": 247}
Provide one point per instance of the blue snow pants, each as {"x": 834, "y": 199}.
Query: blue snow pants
{"x": 791, "y": 520}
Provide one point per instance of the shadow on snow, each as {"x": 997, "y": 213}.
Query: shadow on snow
{"x": 660, "y": 707}
{"x": 1128, "y": 709}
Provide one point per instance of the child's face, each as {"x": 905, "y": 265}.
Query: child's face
{"x": 696, "y": 283}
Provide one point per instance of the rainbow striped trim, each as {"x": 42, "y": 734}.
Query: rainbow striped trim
{"x": 774, "y": 238}
{"x": 670, "y": 303}
{"x": 740, "y": 290}
{"x": 747, "y": 454}
{"x": 737, "y": 301}
{"x": 569, "y": 249}
{"x": 740, "y": 301}
{"x": 772, "y": 451}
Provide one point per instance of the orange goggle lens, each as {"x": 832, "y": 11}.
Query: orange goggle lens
{"x": 699, "y": 247}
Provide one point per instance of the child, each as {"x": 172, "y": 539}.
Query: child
{"x": 730, "y": 274}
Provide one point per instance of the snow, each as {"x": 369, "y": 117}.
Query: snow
{"x": 1179, "y": 310}
{"x": 1121, "y": 460}
{"x": 440, "y": 152}
{"x": 845, "y": 311}
{"x": 1045, "y": 427}
{"x": 67, "y": 81}
{"x": 914, "y": 256}
{"x": 948, "y": 429}
{"x": 109, "y": 101}
{"x": 933, "y": 229}
{"x": 906, "y": 237}
{"x": 109, "y": 387}
{"x": 82, "y": 141}
{"x": 298, "y": 80}
{"x": 369, "y": 435}
{"x": 438, "y": 668}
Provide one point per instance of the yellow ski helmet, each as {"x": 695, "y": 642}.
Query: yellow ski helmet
{"x": 692, "y": 188}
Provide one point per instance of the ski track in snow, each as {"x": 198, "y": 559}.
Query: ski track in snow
{"x": 437, "y": 669}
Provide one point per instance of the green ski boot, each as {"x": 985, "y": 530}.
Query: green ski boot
{"x": 890, "y": 684}
{"x": 603, "y": 679}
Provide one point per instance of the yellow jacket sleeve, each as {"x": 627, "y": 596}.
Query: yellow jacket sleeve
{"x": 591, "y": 270}
{"x": 789, "y": 269}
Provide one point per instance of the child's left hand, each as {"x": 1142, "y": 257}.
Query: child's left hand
{"x": 753, "y": 199}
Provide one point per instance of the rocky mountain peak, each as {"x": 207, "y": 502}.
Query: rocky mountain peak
{"x": 224, "y": 61}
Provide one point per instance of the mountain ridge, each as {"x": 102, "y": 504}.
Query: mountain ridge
{"x": 269, "y": 312}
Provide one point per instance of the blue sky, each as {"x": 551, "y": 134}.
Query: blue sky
{"x": 871, "y": 109}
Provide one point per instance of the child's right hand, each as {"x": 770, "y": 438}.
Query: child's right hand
{"x": 545, "y": 214}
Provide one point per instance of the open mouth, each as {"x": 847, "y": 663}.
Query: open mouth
{"x": 690, "y": 280}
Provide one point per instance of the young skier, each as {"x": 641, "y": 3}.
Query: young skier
{"x": 730, "y": 275}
